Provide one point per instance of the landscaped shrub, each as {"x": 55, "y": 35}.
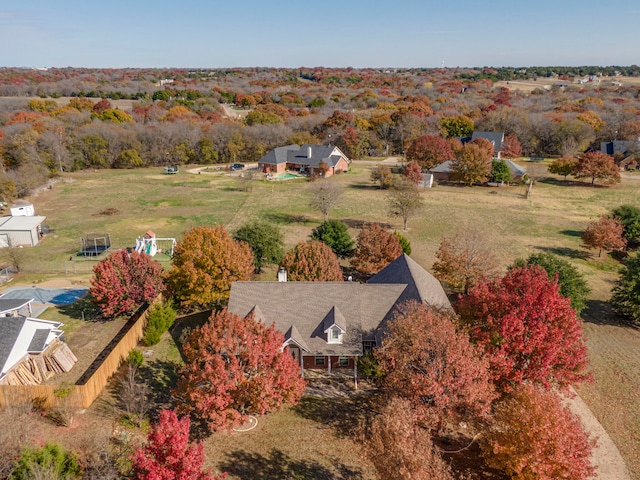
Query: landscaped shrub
{"x": 50, "y": 461}
{"x": 160, "y": 319}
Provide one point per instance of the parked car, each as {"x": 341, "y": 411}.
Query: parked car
{"x": 236, "y": 166}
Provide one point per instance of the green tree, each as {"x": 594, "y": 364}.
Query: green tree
{"x": 571, "y": 282}
{"x": 160, "y": 319}
{"x": 129, "y": 158}
{"x": 629, "y": 216}
{"x": 404, "y": 243}
{"x": 336, "y": 235}
{"x": 164, "y": 95}
{"x": 51, "y": 461}
{"x": 266, "y": 241}
{"x": 500, "y": 172}
{"x": 626, "y": 293}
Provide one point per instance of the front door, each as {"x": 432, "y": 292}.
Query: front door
{"x": 295, "y": 353}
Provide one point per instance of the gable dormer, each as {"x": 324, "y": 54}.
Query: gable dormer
{"x": 334, "y": 325}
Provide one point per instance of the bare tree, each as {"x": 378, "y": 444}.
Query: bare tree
{"x": 134, "y": 396}
{"x": 404, "y": 200}
{"x": 325, "y": 195}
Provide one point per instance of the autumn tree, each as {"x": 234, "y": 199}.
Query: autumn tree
{"x": 376, "y": 247}
{"x": 471, "y": 164}
{"x": 413, "y": 172}
{"x": 168, "y": 454}
{"x": 511, "y": 147}
{"x": 124, "y": 280}
{"x": 336, "y": 235}
{"x": 234, "y": 367}
{"x": 464, "y": 258}
{"x": 205, "y": 264}
{"x": 429, "y": 151}
{"x": 325, "y": 195}
{"x": 528, "y": 331}
{"x": 266, "y": 242}
{"x": 404, "y": 200}
{"x": 604, "y": 234}
{"x": 626, "y": 294}
{"x": 382, "y": 176}
{"x": 312, "y": 261}
{"x": 458, "y": 126}
{"x": 535, "y": 436}
{"x": 570, "y": 280}
{"x": 563, "y": 166}
{"x": 597, "y": 166}
{"x": 399, "y": 448}
{"x": 426, "y": 360}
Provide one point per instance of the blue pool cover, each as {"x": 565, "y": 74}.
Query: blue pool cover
{"x": 54, "y": 296}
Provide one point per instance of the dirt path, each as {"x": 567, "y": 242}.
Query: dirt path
{"x": 606, "y": 456}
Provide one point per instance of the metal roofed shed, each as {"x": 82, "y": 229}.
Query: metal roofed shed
{"x": 20, "y": 230}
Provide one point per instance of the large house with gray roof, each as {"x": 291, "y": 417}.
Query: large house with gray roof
{"x": 328, "y": 325}
{"x": 304, "y": 159}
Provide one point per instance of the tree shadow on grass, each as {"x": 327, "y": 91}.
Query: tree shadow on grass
{"x": 277, "y": 465}
{"x": 572, "y": 233}
{"x": 602, "y": 313}
{"x": 83, "y": 309}
{"x": 161, "y": 377}
{"x": 566, "y": 252}
{"x": 286, "y": 218}
{"x": 183, "y": 326}
{"x": 344, "y": 415}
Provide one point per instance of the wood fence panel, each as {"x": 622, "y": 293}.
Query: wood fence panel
{"x": 93, "y": 380}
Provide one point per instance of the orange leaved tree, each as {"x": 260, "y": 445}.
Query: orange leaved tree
{"x": 312, "y": 261}
{"x": 376, "y": 248}
{"x": 205, "y": 263}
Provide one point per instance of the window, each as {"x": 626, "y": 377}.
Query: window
{"x": 368, "y": 346}
{"x": 319, "y": 362}
{"x": 335, "y": 335}
{"x": 343, "y": 361}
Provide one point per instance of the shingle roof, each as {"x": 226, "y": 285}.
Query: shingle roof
{"x": 13, "y": 304}
{"x": 307, "y": 155}
{"x": 305, "y": 305}
{"x": 292, "y": 335}
{"x": 10, "y": 328}
{"x": 494, "y": 137}
{"x": 421, "y": 285}
{"x": 334, "y": 317}
{"x": 39, "y": 340}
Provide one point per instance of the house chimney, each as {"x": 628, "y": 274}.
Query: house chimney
{"x": 308, "y": 151}
{"x": 282, "y": 275}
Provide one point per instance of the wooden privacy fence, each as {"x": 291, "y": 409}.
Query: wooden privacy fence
{"x": 93, "y": 380}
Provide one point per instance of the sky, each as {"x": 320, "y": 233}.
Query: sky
{"x": 312, "y": 33}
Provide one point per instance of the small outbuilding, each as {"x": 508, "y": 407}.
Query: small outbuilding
{"x": 18, "y": 231}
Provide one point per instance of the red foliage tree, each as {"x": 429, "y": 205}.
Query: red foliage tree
{"x": 427, "y": 361}
{"x": 205, "y": 264}
{"x": 234, "y": 367}
{"x": 413, "y": 172}
{"x": 124, "y": 280}
{"x": 527, "y": 329}
{"x": 597, "y": 165}
{"x": 535, "y": 436}
{"x": 429, "y": 151}
{"x": 400, "y": 449}
{"x": 312, "y": 261}
{"x": 606, "y": 233}
{"x": 101, "y": 106}
{"x": 376, "y": 248}
{"x": 168, "y": 455}
{"x": 511, "y": 147}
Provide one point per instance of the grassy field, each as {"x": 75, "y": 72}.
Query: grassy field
{"x": 552, "y": 219}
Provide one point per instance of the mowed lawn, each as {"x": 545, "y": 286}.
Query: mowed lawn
{"x": 551, "y": 219}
